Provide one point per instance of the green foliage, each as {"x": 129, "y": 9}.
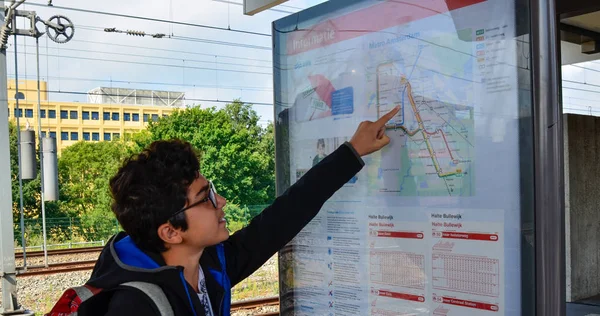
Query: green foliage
{"x": 237, "y": 153}
{"x": 85, "y": 169}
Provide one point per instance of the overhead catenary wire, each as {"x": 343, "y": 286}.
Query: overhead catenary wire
{"x": 149, "y": 97}
{"x": 169, "y": 50}
{"x": 158, "y": 57}
{"x": 157, "y": 83}
{"x": 189, "y": 39}
{"x": 151, "y": 19}
{"x": 155, "y": 64}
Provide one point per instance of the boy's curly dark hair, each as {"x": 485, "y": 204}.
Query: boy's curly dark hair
{"x": 151, "y": 186}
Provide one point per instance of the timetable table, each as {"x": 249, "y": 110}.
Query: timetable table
{"x": 466, "y": 274}
{"x": 398, "y": 268}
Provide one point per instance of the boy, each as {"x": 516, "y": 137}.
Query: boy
{"x": 175, "y": 235}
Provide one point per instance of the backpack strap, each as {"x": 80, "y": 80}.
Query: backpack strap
{"x": 156, "y": 294}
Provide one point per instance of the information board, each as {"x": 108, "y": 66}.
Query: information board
{"x": 431, "y": 225}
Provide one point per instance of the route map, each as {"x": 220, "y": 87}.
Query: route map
{"x": 431, "y": 154}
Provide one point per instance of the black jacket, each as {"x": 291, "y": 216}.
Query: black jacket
{"x": 245, "y": 251}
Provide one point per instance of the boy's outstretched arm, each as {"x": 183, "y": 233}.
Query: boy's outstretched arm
{"x": 252, "y": 246}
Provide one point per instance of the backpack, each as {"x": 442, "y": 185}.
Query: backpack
{"x": 72, "y": 298}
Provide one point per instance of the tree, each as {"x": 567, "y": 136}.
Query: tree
{"x": 85, "y": 169}
{"x": 236, "y": 152}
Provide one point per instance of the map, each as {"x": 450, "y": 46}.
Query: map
{"x": 433, "y": 133}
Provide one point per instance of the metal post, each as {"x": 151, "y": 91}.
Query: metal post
{"x": 548, "y": 155}
{"x": 7, "y": 250}
{"x": 18, "y": 112}
{"x": 39, "y": 108}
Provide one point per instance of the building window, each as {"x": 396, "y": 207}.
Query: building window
{"x": 96, "y": 136}
{"x": 85, "y": 115}
{"x": 19, "y": 113}
{"x": 86, "y": 136}
{"x": 95, "y": 116}
{"x": 64, "y": 114}
{"x": 74, "y": 136}
{"x": 43, "y": 134}
{"x": 53, "y": 135}
{"x": 52, "y": 114}
{"x": 73, "y": 115}
{"x": 43, "y": 114}
{"x": 106, "y": 136}
{"x": 154, "y": 117}
{"x": 106, "y": 116}
{"x": 115, "y": 116}
{"x": 64, "y": 136}
{"x": 146, "y": 117}
{"x": 116, "y": 135}
{"x": 127, "y": 117}
{"x": 136, "y": 117}
{"x": 29, "y": 113}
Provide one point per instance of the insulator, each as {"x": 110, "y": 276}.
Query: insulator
{"x": 4, "y": 34}
{"x": 136, "y": 33}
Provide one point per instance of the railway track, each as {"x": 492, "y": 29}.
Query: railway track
{"x": 66, "y": 267}
{"x": 54, "y": 268}
{"x": 58, "y": 252}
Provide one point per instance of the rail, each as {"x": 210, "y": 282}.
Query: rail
{"x": 57, "y": 252}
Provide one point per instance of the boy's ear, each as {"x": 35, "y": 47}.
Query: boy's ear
{"x": 169, "y": 234}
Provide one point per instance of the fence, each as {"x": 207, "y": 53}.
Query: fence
{"x": 65, "y": 232}
{"x": 68, "y": 232}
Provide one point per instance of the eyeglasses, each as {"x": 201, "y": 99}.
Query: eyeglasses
{"x": 212, "y": 197}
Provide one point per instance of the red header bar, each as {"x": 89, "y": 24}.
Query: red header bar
{"x": 409, "y": 235}
{"x": 371, "y": 19}
{"x": 470, "y": 304}
{"x": 470, "y": 236}
{"x": 402, "y": 296}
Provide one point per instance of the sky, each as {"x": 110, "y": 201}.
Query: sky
{"x": 95, "y": 58}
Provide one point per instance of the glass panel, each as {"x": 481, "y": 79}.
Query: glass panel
{"x": 85, "y": 115}
{"x": 96, "y": 136}
{"x": 29, "y": 113}
{"x": 106, "y": 116}
{"x": 95, "y": 116}
{"x": 115, "y": 116}
{"x": 127, "y": 117}
{"x": 86, "y": 136}
{"x": 73, "y": 115}
{"x": 64, "y": 114}
{"x": 52, "y": 114}
{"x": 43, "y": 114}
{"x": 136, "y": 117}
{"x": 440, "y": 221}
{"x": 106, "y": 136}
{"x": 64, "y": 136}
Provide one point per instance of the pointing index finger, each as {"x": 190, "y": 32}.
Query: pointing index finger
{"x": 384, "y": 119}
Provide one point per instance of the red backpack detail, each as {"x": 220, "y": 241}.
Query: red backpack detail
{"x": 69, "y": 302}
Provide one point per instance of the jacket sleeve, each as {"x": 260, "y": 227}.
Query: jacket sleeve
{"x": 278, "y": 224}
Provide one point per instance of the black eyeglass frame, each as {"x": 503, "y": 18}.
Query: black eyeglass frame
{"x": 212, "y": 197}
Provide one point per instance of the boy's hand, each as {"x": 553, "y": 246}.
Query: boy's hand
{"x": 370, "y": 136}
